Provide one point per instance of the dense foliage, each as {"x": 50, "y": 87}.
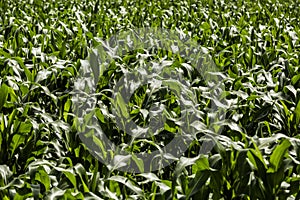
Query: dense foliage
{"x": 255, "y": 45}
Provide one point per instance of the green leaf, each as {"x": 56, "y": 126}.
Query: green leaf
{"x": 3, "y": 96}
{"x": 181, "y": 165}
{"x": 17, "y": 140}
{"x": 121, "y": 106}
{"x": 82, "y": 173}
{"x": 25, "y": 127}
{"x": 139, "y": 162}
{"x": 100, "y": 145}
{"x": 201, "y": 164}
{"x": 256, "y": 152}
{"x": 295, "y": 79}
{"x": 277, "y": 155}
{"x": 70, "y": 175}
{"x": 197, "y": 183}
{"x": 43, "y": 177}
{"x": 297, "y": 114}
{"x": 184, "y": 162}
{"x": 127, "y": 183}
{"x": 95, "y": 177}
{"x": 205, "y": 26}
{"x": 26, "y": 70}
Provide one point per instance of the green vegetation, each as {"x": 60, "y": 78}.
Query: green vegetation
{"x": 256, "y": 46}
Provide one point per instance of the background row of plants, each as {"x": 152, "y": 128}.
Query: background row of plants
{"x": 43, "y": 45}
